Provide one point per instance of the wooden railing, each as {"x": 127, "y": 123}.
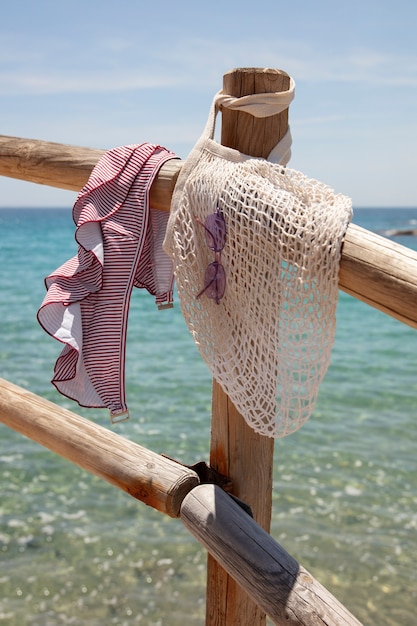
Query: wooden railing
{"x": 249, "y": 574}
{"x": 374, "y": 269}
{"x": 273, "y": 579}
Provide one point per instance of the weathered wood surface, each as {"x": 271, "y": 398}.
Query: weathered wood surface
{"x": 143, "y": 474}
{"x": 236, "y": 449}
{"x": 377, "y": 271}
{"x": 69, "y": 167}
{"x": 380, "y": 272}
{"x": 287, "y": 592}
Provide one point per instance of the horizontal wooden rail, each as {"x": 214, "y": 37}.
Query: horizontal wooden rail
{"x": 273, "y": 578}
{"x": 69, "y": 167}
{"x": 377, "y": 271}
{"x": 155, "y": 480}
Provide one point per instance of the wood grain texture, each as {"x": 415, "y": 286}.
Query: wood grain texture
{"x": 143, "y": 474}
{"x": 69, "y": 167}
{"x": 237, "y": 451}
{"x": 246, "y": 457}
{"x": 244, "y": 132}
{"x": 381, "y": 273}
{"x": 284, "y": 590}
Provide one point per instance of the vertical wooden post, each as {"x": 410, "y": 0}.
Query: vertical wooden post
{"x": 236, "y": 450}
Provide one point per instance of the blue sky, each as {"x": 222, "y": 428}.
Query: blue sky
{"x": 104, "y": 74}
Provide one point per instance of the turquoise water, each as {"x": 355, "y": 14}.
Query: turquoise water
{"x": 75, "y": 550}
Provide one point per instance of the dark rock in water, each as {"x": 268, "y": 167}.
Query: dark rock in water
{"x": 398, "y": 232}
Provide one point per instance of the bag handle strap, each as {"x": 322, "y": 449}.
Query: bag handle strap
{"x": 258, "y": 105}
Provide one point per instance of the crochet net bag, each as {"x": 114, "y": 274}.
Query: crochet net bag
{"x": 268, "y": 339}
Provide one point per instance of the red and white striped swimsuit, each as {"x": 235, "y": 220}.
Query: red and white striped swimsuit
{"x": 119, "y": 247}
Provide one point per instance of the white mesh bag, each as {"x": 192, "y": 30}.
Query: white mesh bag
{"x": 267, "y": 340}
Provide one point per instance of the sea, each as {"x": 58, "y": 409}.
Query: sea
{"x": 76, "y": 550}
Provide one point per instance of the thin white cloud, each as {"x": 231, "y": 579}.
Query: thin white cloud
{"x": 376, "y": 68}
{"x": 94, "y": 82}
{"x": 312, "y": 63}
{"x": 114, "y": 64}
